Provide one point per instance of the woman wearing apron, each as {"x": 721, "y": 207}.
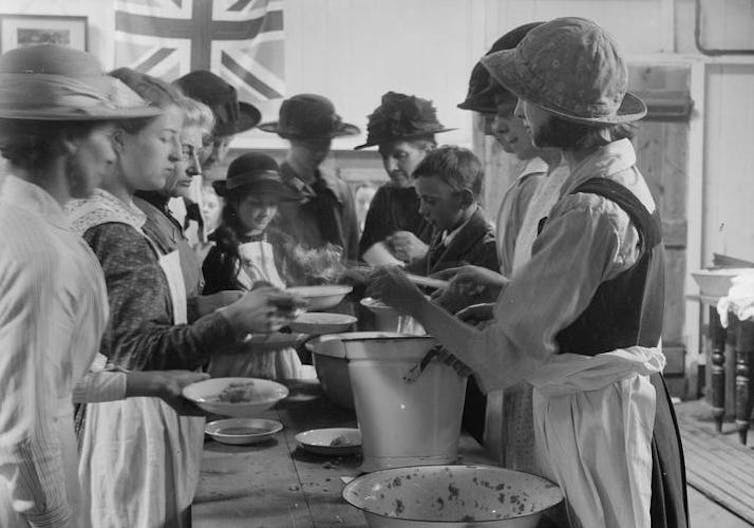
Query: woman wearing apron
{"x": 247, "y": 252}
{"x": 582, "y": 320}
{"x": 508, "y": 429}
{"x": 140, "y": 458}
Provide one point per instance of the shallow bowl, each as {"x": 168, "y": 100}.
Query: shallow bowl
{"x": 239, "y": 397}
{"x": 317, "y": 323}
{"x": 242, "y": 431}
{"x": 321, "y": 297}
{"x": 717, "y": 282}
{"x": 451, "y": 496}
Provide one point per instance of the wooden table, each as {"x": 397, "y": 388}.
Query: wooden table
{"x": 742, "y": 334}
{"x": 277, "y": 485}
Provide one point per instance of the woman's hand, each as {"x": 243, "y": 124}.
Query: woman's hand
{"x": 406, "y": 246}
{"x": 206, "y": 304}
{"x": 474, "y": 281}
{"x": 258, "y": 311}
{"x": 166, "y": 385}
{"x": 390, "y": 285}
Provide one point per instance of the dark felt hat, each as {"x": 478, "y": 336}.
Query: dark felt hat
{"x": 572, "y": 68}
{"x": 482, "y": 88}
{"x": 309, "y": 116}
{"x": 58, "y": 83}
{"x": 231, "y": 115}
{"x": 258, "y": 173}
{"x": 401, "y": 117}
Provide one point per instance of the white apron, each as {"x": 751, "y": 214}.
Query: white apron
{"x": 258, "y": 263}
{"x": 141, "y": 460}
{"x": 593, "y": 424}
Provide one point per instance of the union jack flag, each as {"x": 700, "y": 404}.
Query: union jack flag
{"x": 239, "y": 40}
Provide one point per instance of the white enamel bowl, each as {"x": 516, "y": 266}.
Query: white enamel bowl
{"x": 318, "y": 323}
{"x": 242, "y": 431}
{"x": 336, "y": 441}
{"x": 321, "y": 297}
{"x": 451, "y": 497}
{"x": 239, "y": 397}
{"x": 717, "y": 282}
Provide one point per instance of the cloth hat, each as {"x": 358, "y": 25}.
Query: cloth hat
{"x": 572, "y": 68}
{"x": 231, "y": 115}
{"x": 58, "y": 83}
{"x": 260, "y": 173}
{"x": 482, "y": 89}
{"x": 401, "y": 117}
{"x": 309, "y": 116}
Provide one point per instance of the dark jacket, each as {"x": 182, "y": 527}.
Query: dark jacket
{"x": 327, "y": 213}
{"x": 393, "y": 209}
{"x": 474, "y": 244}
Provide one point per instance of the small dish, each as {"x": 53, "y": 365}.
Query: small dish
{"x": 242, "y": 431}
{"x": 321, "y": 297}
{"x": 335, "y": 441}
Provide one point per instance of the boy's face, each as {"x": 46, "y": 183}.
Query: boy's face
{"x": 438, "y": 202}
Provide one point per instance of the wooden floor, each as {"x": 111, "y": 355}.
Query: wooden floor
{"x": 717, "y": 466}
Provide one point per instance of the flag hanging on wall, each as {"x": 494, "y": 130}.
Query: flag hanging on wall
{"x": 239, "y": 40}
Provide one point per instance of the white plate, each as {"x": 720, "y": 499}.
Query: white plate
{"x": 317, "y": 323}
{"x": 242, "y": 431}
{"x": 321, "y": 297}
{"x": 335, "y": 441}
{"x": 260, "y": 395}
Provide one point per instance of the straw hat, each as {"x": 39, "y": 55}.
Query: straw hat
{"x": 309, "y": 116}
{"x": 57, "y": 83}
{"x": 231, "y": 115}
{"x": 482, "y": 89}
{"x": 401, "y": 117}
{"x": 257, "y": 172}
{"x": 572, "y": 68}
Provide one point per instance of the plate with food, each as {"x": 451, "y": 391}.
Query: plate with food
{"x": 239, "y": 397}
{"x": 242, "y": 431}
{"x": 335, "y": 441}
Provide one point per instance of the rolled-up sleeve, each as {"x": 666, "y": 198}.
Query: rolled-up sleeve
{"x": 30, "y": 452}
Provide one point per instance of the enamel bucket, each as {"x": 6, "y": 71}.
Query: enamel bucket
{"x": 403, "y": 423}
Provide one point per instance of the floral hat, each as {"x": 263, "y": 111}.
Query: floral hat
{"x": 572, "y": 68}
{"x": 401, "y": 117}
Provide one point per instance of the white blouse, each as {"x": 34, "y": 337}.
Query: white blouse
{"x": 53, "y": 311}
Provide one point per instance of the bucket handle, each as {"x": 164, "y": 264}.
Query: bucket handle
{"x": 439, "y": 352}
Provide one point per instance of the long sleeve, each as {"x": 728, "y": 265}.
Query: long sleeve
{"x": 379, "y": 222}
{"x": 350, "y": 224}
{"x": 100, "y": 386}
{"x": 30, "y": 336}
{"x": 140, "y": 334}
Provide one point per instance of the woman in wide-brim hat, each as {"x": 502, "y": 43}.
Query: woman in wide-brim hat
{"x": 403, "y": 129}
{"x": 582, "y": 320}
{"x": 509, "y": 435}
{"x": 247, "y": 252}
{"x": 58, "y": 112}
{"x": 327, "y": 214}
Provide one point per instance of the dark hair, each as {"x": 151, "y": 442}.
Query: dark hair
{"x": 569, "y": 135}
{"x": 227, "y": 237}
{"x": 154, "y": 91}
{"x": 456, "y": 166}
{"x": 32, "y": 145}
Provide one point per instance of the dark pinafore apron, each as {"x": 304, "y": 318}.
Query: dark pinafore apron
{"x": 628, "y": 311}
